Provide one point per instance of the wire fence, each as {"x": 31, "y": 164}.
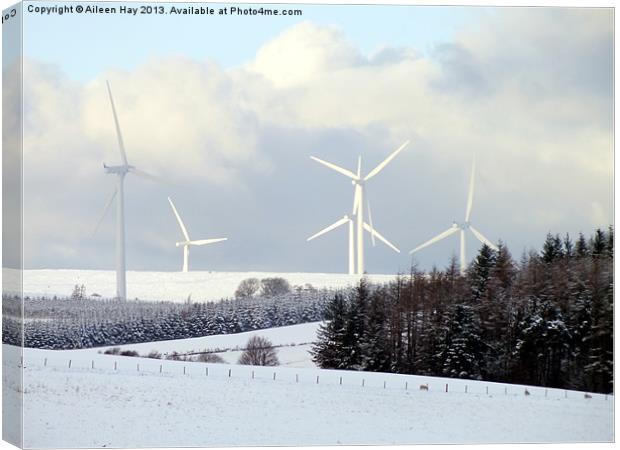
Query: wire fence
{"x": 346, "y": 379}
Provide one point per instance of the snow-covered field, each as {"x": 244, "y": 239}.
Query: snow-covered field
{"x": 173, "y": 286}
{"x": 293, "y": 344}
{"x": 82, "y": 398}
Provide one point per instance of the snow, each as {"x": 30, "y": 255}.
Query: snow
{"x": 172, "y": 286}
{"x": 155, "y": 403}
{"x": 293, "y": 344}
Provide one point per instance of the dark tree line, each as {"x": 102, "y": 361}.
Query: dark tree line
{"x": 546, "y": 320}
{"x": 61, "y": 323}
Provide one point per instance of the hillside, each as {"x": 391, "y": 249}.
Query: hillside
{"x": 292, "y": 342}
{"x": 137, "y": 402}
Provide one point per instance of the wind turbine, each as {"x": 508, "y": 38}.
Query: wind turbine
{"x": 187, "y": 242}
{"x": 462, "y": 227}
{"x": 356, "y": 222}
{"x": 119, "y": 193}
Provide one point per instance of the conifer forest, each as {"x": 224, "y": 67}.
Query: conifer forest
{"x": 544, "y": 320}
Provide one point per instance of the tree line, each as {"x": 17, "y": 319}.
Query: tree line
{"x": 545, "y": 320}
{"x": 62, "y": 323}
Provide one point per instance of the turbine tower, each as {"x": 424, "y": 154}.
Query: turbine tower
{"x": 356, "y": 222}
{"x": 187, "y": 242}
{"x": 119, "y": 193}
{"x": 461, "y": 227}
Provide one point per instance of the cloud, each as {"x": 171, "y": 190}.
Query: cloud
{"x": 527, "y": 90}
{"x": 303, "y": 53}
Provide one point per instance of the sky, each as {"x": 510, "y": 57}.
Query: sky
{"x": 229, "y": 109}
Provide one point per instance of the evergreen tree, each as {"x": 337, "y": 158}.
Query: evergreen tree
{"x": 480, "y": 271}
{"x": 374, "y": 342}
{"x": 328, "y": 351}
{"x": 552, "y": 248}
{"x": 598, "y": 244}
{"x": 569, "y": 248}
{"x": 355, "y": 324}
{"x": 581, "y": 247}
{"x": 543, "y": 342}
{"x": 463, "y": 346}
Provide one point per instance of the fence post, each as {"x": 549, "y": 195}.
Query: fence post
{"x": 487, "y": 390}
{"x": 446, "y": 387}
{"x": 296, "y": 378}
{"x": 92, "y": 364}
{"x": 384, "y": 385}
{"x": 274, "y": 376}
{"x": 183, "y": 370}
{"x": 406, "y": 385}
{"x": 161, "y": 368}
{"x": 45, "y": 362}
{"x": 605, "y": 396}
{"x": 138, "y": 367}
{"x": 252, "y": 374}
{"x": 317, "y": 379}
{"x": 229, "y": 372}
{"x": 363, "y": 382}
{"x": 340, "y": 381}
{"x": 545, "y": 392}
{"x": 69, "y": 364}
{"x": 466, "y": 389}
{"x": 206, "y": 371}
{"x": 114, "y": 365}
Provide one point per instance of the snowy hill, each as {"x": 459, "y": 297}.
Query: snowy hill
{"x": 173, "y": 286}
{"x": 136, "y": 405}
{"x": 293, "y": 344}
{"x": 81, "y": 398}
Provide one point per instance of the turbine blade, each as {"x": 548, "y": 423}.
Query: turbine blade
{"x": 483, "y": 239}
{"x": 331, "y": 227}
{"x": 105, "y": 211}
{"x": 339, "y": 169}
{"x": 207, "y": 241}
{"x": 470, "y": 195}
{"x": 450, "y": 231}
{"x": 148, "y": 176}
{"x": 183, "y": 229}
{"x": 372, "y": 231}
{"x": 121, "y": 145}
{"x": 385, "y": 162}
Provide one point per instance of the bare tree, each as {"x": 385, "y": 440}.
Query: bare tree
{"x": 79, "y": 292}
{"x": 272, "y": 287}
{"x": 210, "y": 358}
{"x": 247, "y": 288}
{"x": 259, "y": 351}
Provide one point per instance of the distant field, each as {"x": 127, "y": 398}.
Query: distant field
{"x": 172, "y": 286}
{"x": 293, "y": 345}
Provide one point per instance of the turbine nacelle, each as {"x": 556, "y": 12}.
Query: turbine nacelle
{"x": 460, "y": 225}
{"x": 118, "y": 169}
